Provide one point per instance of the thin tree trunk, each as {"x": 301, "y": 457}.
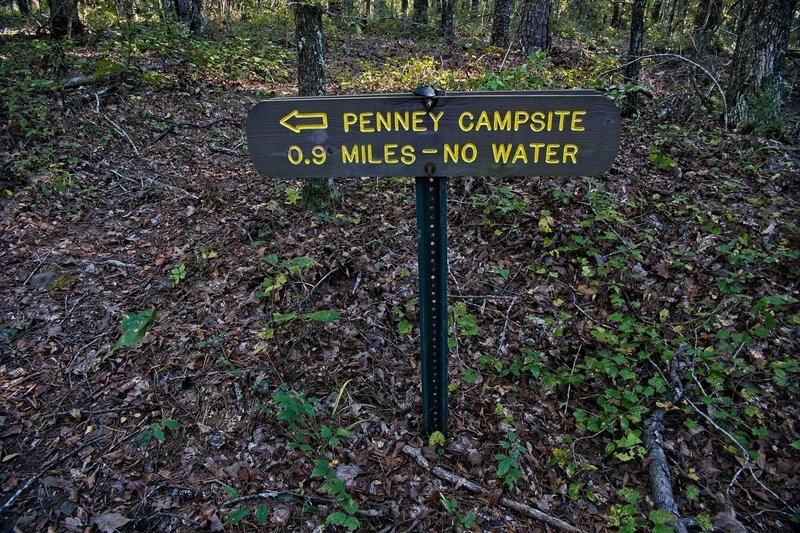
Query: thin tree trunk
{"x": 501, "y": 22}
{"x": 655, "y": 12}
{"x": 24, "y": 7}
{"x": 474, "y": 5}
{"x": 634, "y": 66}
{"x": 707, "y": 21}
{"x": 534, "y": 26}
{"x": 448, "y": 13}
{"x": 64, "y": 21}
{"x": 616, "y": 15}
{"x": 318, "y": 193}
{"x": 421, "y": 11}
{"x": 404, "y": 7}
{"x": 756, "y": 74}
{"x": 196, "y": 17}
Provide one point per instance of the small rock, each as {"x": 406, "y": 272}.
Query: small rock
{"x": 43, "y": 279}
{"x": 216, "y": 440}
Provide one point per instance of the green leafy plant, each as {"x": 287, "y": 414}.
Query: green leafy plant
{"x": 508, "y": 467}
{"x": 260, "y": 511}
{"x": 461, "y": 522}
{"x": 346, "y": 517}
{"x": 134, "y": 327}
{"x": 156, "y": 431}
{"x": 177, "y": 274}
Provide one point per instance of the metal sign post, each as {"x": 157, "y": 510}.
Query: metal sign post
{"x": 433, "y": 135}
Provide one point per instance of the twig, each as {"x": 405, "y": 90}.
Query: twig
{"x": 660, "y": 478}
{"x": 698, "y": 65}
{"x": 459, "y": 481}
{"x": 174, "y": 125}
{"x": 123, "y": 133}
{"x": 748, "y": 465}
{"x": 50, "y": 464}
{"x": 505, "y": 326}
{"x": 173, "y": 188}
{"x": 39, "y": 264}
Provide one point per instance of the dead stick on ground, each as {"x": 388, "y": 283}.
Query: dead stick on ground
{"x": 50, "y": 464}
{"x": 658, "y": 469}
{"x": 459, "y": 481}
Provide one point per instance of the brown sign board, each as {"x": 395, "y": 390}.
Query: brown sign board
{"x": 524, "y": 133}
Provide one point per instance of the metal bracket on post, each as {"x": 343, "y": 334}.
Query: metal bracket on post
{"x": 431, "y": 194}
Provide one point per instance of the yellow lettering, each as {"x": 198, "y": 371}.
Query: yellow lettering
{"x": 502, "y": 122}
{"x": 520, "y": 117}
{"x": 468, "y": 126}
{"x": 351, "y": 156}
{"x": 577, "y": 120}
{"x": 435, "y": 117}
{"x": 388, "y": 153}
{"x": 401, "y": 119}
{"x": 570, "y": 151}
{"x": 501, "y": 152}
{"x": 451, "y": 152}
{"x": 369, "y": 156}
{"x": 551, "y": 154}
{"x": 416, "y": 123}
{"x": 383, "y": 121}
{"x": 365, "y": 122}
{"x": 520, "y": 154}
{"x": 469, "y": 153}
{"x": 536, "y": 147}
{"x": 349, "y": 120}
{"x": 549, "y": 121}
{"x": 561, "y": 116}
{"x": 483, "y": 121}
{"x": 537, "y": 121}
{"x": 407, "y": 155}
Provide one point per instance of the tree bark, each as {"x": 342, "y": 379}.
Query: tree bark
{"x": 64, "y": 21}
{"x": 421, "y": 11}
{"x": 534, "y": 25}
{"x": 634, "y": 63}
{"x": 448, "y": 13}
{"x": 501, "y": 22}
{"x": 24, "y": 7}
{"x": 761, "y": 38}
{"x": 318, "y": 193}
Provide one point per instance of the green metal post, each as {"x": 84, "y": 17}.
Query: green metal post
{"x": 432, "y": 257}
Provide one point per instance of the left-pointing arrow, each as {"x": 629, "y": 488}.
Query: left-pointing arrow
{"x": 320, "y": 121}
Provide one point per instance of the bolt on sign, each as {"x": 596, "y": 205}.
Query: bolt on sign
{"x": 572, "y": 133}
{"x": 432, "y": 136}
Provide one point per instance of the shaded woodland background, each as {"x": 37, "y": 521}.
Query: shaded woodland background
{"x": 185, "y": 345}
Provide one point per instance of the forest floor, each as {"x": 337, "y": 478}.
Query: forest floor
{"x": 281, "y": 353}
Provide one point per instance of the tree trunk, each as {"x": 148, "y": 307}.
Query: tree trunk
{"x": 64, "y": 21}
{"x": 182, "y": 10}
{"x": 707, "y": 21}
{"x": 404, "y": 7}
{"x": 616, "y": 15}
{"x": 24, "y": 7}
{"x": 421, "y": 11}
{"x": 501, "y": 22}
{"x": 196, "y": 17}
{"x": 534, "y": 25}
{"x": 655, "y": 13}
{"x": 474, "y": 5}
{"x": 318, "y": 193}
{"x": 756, "y": 75}
{"x": 448, "y": 13}
{"x": 634, "y": 66}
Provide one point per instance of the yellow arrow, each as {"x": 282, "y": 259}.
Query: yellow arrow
{"x": 321, "y": 117}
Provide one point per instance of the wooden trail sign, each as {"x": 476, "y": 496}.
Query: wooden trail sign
{"x": 552, "y": 133}
{"x": 431, "y": 136}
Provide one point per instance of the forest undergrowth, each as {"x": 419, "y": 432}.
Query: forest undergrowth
{"x": 184, "y": 346}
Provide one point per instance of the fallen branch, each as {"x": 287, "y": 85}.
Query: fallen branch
{"x": 174, "y": 125}
{"x": 50, "y": 464}
{"x": 172, "y": 188}
{"x": 660, "y": 478}
{"x": 471, "y": 486}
